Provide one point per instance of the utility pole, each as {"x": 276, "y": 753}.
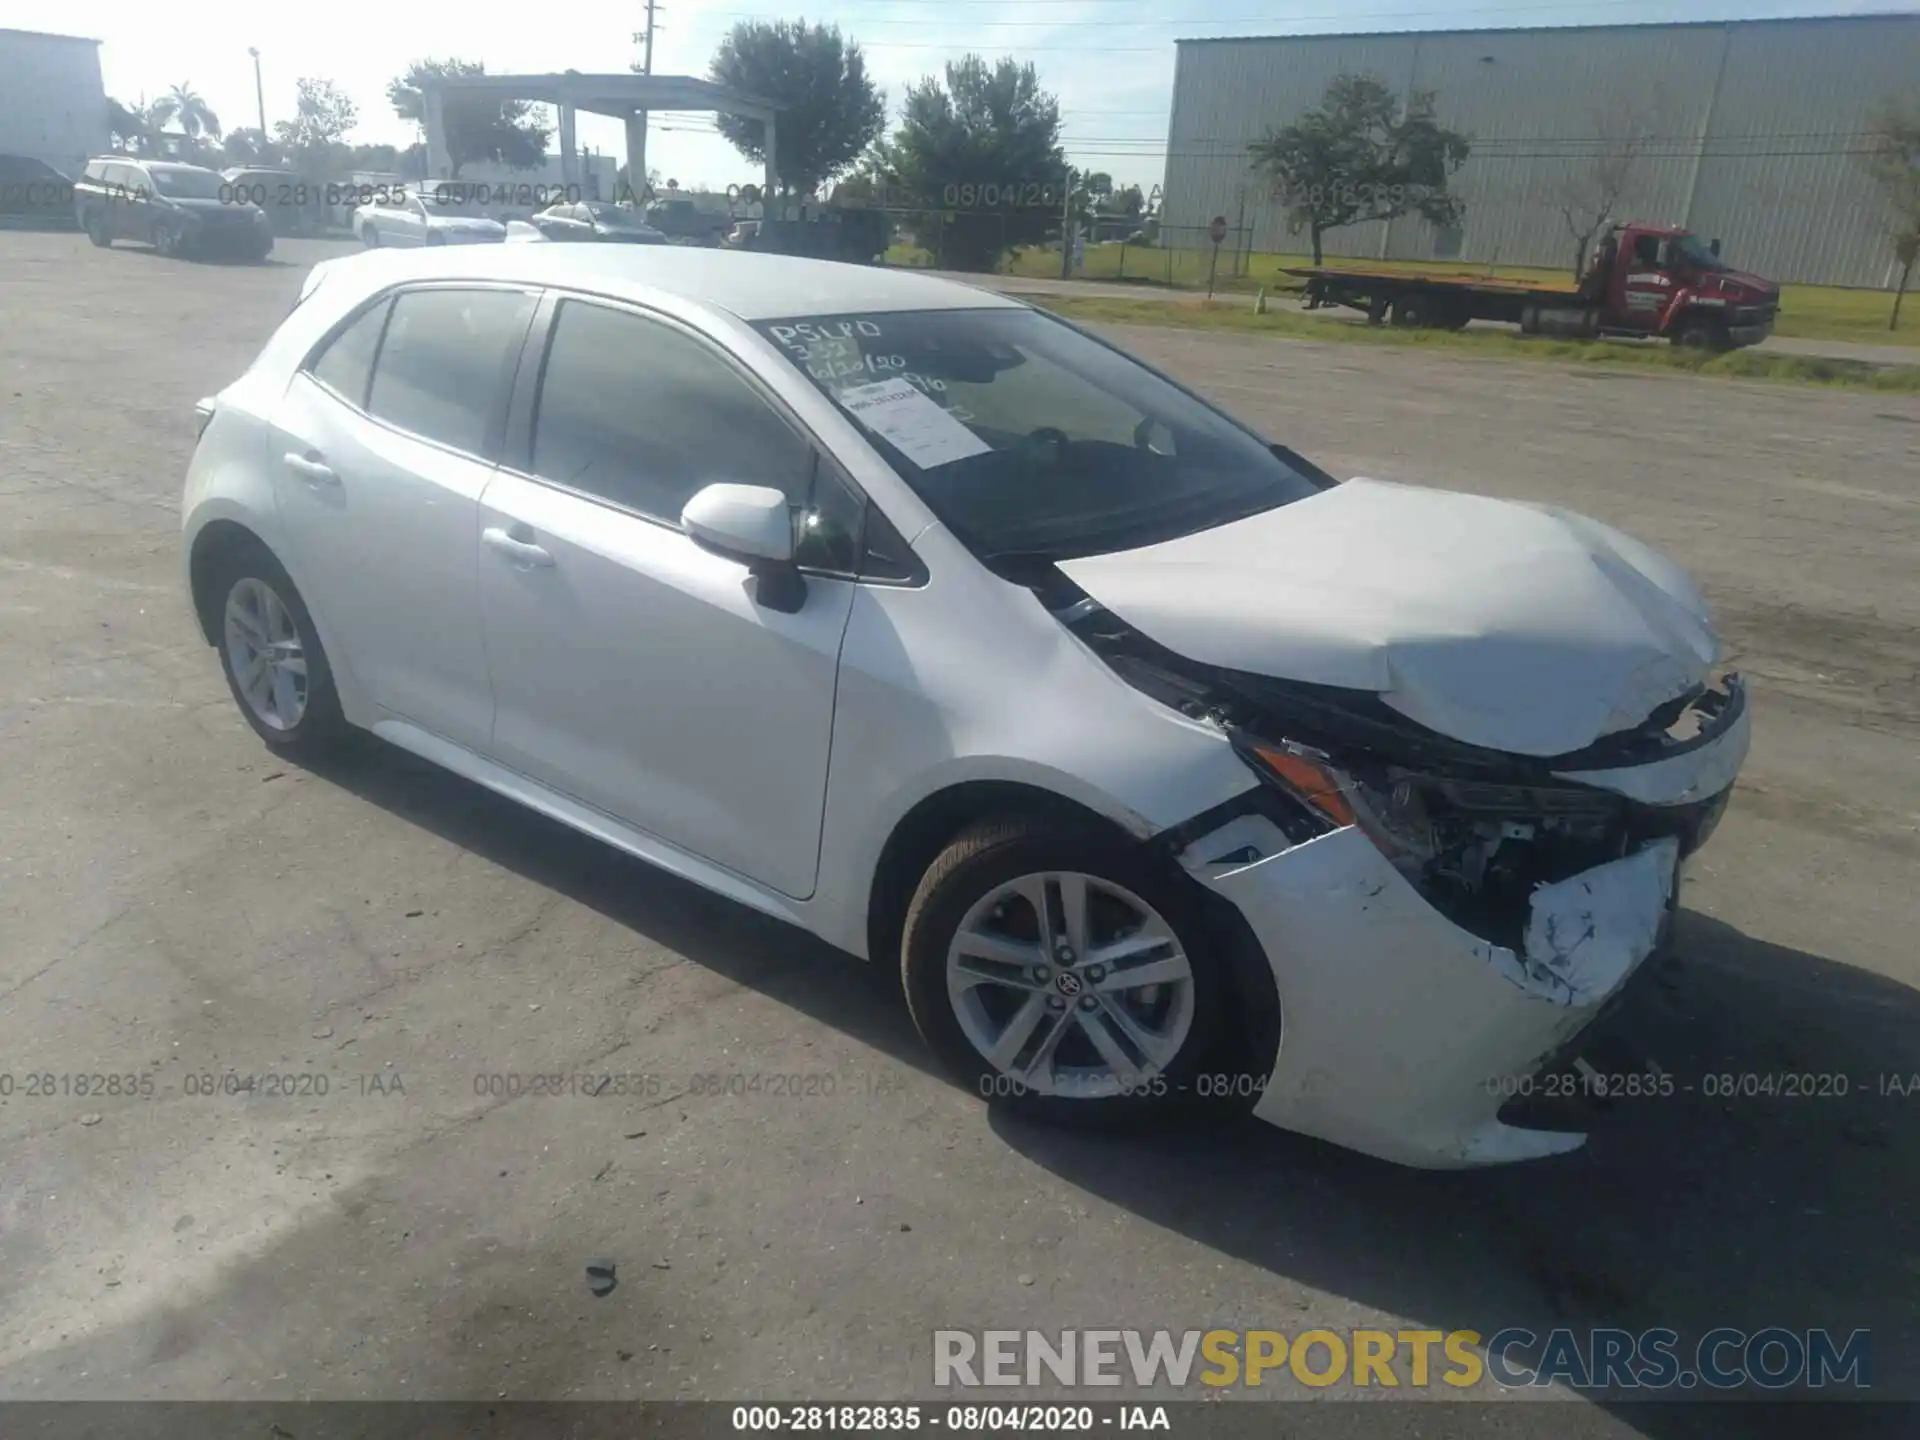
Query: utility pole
{"x": 637, "y": 129}
{"x": 259, "y": 93}
{"x": 1066, "y": 229}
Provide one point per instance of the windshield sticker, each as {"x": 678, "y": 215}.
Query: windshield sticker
{"x": 799, "y": 336}
{"x": 902, "y": 415}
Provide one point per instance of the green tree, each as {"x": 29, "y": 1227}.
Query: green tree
{"x": 1893, "y": 158}
{"x": 128, "y": 128}
{"x": 183, "y": 106}
{"x": 322, "y": 115}
{"x": 498, "y": 132}
{"x": 248, "y": 146}
{"x": 1360, "y": 155}
{"x": 830, "y": 111}
{"x": 982, "y": 154}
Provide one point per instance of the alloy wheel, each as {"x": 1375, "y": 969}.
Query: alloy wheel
{"x": 268, "y": 662}
{"x": 1070, "y": 985}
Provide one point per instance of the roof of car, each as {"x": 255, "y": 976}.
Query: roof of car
{"x": 747, "y": 284}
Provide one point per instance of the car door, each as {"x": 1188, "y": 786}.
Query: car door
{"x": 632, "y": 669}
{"x": 1646, "y": 282}
{"x": 383, "y": 443}
{"x": 131, "y": 203}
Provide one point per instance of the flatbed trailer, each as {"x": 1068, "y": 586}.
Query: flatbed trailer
{"x": 1649, "y": 281}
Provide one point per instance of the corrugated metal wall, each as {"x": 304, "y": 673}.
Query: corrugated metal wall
{"x": 52, "y": 104}
{"x": 1742, "y": 132}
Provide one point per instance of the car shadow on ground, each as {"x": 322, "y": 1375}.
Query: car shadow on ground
{"x": 1719, "y": 1204}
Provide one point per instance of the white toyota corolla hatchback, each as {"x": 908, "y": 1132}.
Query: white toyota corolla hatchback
{"x": 1166, "y": 767}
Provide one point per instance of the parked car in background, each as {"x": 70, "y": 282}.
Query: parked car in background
{"x": 596, "y": 220}
{"x": 33, "y": 193}
{"x": 685, "y": 223}
{"x": 293, "y": 204}
{"x": 926, "y": 621}
{"x": 177, "y": 209}
{"x": 425, "y": 217}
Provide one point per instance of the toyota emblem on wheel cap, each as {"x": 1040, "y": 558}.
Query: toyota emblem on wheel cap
{"x": 1067, "y": 983}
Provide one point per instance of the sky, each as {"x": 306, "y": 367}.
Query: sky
{"x": 1110, "y": 62}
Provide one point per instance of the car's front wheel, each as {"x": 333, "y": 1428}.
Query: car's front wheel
{"x": 1063, "y": 970}
{"x": 272, "y": 657}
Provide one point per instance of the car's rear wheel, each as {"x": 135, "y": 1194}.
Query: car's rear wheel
{"x": 1063, "y": 970}
{"x": 272, "y": 657}
{"x": 370, "y": 237}
{"x": 96, "y": 228}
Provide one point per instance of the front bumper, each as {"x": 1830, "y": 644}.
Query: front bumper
{"x": 1751, "y": 325}
{"x": 1402, "y": 1033}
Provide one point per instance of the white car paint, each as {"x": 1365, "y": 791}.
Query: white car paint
{"x": 411, "y": 219}
{"x": 1499, "y": 624}
{"x": 770, "y": 757}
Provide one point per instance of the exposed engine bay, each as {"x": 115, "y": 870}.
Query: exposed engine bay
{"x": 1475, "y": 831}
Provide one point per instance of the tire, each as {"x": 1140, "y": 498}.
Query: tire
{"x": 238, "y": 581}
{"x": 1422, "y": 312}
{"x": 370, "y": 237}
{"x": 165, "y": 240}
{"x": 433, "y": 239}
{"x": 1702, "y": 335}
{"x": 1180, "y": 1017}
{"x": 96, "y": 228}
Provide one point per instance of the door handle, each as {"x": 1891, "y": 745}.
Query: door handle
{"x": 313, "y": 472}
{"x": 521, "y": 552}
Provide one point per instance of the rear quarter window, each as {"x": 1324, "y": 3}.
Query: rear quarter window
{"x": 345, "y": 364}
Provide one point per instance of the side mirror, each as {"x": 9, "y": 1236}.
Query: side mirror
{"x": 1714, "y": 246}
{"x": 753, "y": 525}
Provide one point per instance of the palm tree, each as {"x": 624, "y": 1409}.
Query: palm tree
{"x": 184, "y": 105}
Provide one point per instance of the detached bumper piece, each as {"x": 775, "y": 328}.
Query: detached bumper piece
{"x": 1402, "y": 1033}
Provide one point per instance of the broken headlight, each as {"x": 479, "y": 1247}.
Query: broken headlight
{"x": 1475, "y": 849}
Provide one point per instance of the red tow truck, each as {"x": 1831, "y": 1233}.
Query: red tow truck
{"x": 1652, "y": 281}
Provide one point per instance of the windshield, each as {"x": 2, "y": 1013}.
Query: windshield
{"x": 1694, "y": 250}
{"x": 1027, "y": 437}
{"x": 613, "y": 215}
{"x": 451, "y": 203}
{"x": 189, "y": 184}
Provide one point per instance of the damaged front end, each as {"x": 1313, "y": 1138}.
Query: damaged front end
{"x": 1493, "y": 902}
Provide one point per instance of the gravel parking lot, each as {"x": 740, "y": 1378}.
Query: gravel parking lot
{"x": 388, "y": 1212}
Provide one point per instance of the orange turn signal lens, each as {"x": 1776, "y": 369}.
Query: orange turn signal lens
{"x": 1318, "y": 787}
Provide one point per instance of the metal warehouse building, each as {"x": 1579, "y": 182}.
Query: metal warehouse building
{"x": 53, "y": 107}
{"x": 1746, "y": 131}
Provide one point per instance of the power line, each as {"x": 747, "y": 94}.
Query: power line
{"x": 1346, "y": 15}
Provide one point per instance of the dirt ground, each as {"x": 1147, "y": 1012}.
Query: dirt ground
{"x": 177, "y": 906}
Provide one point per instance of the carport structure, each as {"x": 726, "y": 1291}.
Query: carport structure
{"x": 626, "y": 97}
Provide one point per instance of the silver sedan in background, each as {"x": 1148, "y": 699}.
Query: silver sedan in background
{"x": 425, "y": 217}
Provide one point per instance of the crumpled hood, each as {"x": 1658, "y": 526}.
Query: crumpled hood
{"x": 1516, "y": 627}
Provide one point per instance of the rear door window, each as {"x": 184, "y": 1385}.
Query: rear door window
{"x": 446, "y": 363}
